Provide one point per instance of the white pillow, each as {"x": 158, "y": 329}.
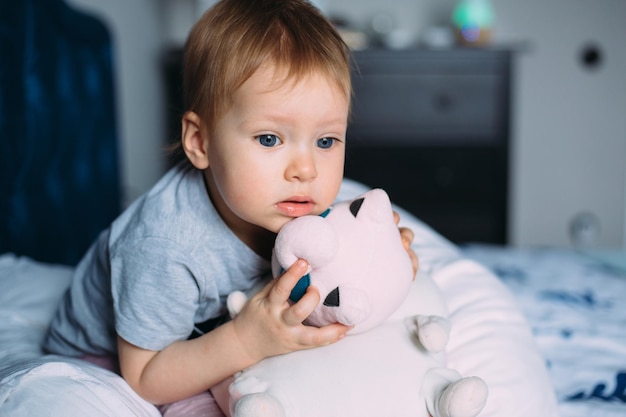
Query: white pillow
{"x": 490, "y": 337}
{"x": 29, "y": 295}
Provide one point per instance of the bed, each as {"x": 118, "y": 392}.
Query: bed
{"x": 542, "y": 326}
{"x": 496, "y": 294}
{"x": 571, "y": 301}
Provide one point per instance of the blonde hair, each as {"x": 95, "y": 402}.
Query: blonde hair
{"x": 235, "y": 37}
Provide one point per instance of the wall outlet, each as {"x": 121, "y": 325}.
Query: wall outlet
{"x": 584, "y": 229}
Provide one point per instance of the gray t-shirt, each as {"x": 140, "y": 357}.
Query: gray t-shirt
{"x": 166, "y": 264}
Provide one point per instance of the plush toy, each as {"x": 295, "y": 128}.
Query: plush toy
{"x": 392, "y": 362}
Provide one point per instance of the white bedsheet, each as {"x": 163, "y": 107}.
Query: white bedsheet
{"x": 31, "y": 383}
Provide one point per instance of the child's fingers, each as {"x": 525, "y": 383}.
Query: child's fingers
{"x": 280, "y": 291}
{"x": 414, "y": 261}
{"x": 407, "y": 236}
{"x": 299, "y": 311}
{"x": 312, "y": 337}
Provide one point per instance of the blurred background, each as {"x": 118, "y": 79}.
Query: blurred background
{"x": 567, "y": 124}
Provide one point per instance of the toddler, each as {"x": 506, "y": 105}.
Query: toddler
{"x": 267, "y": 93}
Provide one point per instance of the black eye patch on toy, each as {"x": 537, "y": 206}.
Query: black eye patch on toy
{"x": 355, "y": 206}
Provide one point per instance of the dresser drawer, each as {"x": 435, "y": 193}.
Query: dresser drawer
{"x": 459, "y": 191}
{"x": 428, "y": 97}
{"x": 415, "y": 176}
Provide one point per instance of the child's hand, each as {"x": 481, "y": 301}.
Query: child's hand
{"x": 407, "y": 236}
{"x": 269, "y": 325}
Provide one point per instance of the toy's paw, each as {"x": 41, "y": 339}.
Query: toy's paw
{"x": 235, "y": 302}
{"x": 258, "y": 405}
{"x": 463, "y": 398}
{"x": 433, "y": 332}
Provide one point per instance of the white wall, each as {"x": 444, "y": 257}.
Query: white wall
{"x": 570, "y": 125}
{"x": 569, "y": 128}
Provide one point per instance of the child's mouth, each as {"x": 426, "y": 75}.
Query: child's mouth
{"x": 295, "y": 208}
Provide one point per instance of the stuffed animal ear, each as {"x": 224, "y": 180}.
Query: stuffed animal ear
{"x": 379, "y": 208}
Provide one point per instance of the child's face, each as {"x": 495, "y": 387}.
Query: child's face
{"x": 278, "y": 152}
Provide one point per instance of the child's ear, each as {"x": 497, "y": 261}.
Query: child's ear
{"x": 195, "y": 140}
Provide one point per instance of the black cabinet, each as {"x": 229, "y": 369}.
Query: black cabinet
{"x": 431, "y": 127}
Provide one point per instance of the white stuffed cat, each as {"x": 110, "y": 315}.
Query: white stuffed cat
{"x": 392, "y": 361}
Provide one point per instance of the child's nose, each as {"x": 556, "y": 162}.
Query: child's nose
{"x": 301, "y": 167}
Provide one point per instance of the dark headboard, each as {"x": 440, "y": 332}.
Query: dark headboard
{"x": 59, "y": 177}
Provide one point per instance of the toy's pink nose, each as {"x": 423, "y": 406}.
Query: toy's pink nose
{"x": 332, "y": 299}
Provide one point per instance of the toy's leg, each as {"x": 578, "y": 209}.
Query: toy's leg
{"x": 435, "y": 382}
{"x": 464, "y": 398}
{"x": 449, "y": 395}
{"x": 258, "y": 405}
{"x": 433, "y": 332}
{"x": 248, "y": 398}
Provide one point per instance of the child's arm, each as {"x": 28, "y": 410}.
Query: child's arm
{"x": 267, "y": 325}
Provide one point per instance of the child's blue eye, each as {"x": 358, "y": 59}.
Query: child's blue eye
{"x": 268, "y": 140}
{"x": 326, "y": 143}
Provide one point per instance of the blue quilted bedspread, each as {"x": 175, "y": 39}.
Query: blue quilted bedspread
{"x": 575, "y": 304}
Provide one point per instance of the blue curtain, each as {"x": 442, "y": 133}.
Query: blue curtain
{"x": 59, "y": 176}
